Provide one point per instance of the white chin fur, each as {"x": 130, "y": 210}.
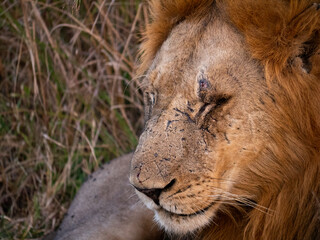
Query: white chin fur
{"x": 182, "y": 225}
{"x": 177, "y": 224}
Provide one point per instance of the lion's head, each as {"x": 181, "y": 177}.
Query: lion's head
{"x": 231, "y": 142}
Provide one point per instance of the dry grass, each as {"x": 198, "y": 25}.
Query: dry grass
{"x": 67, "y": 103}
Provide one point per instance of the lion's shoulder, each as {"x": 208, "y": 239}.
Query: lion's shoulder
{"x": 107, "y": 208}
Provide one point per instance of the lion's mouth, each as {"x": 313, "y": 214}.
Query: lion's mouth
{"x": 183, "y": 222}
{"x": 199, "y": 212}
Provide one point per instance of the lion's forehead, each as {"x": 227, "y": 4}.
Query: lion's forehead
{"x": 189, "y": 53}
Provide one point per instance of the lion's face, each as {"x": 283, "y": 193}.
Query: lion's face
{"x": 205, "y": 124}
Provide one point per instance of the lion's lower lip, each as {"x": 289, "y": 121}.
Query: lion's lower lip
{"x": 202, "y": 211}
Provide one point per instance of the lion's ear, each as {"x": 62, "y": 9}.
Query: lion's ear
{"x": 281, "y": 37}
{"x": 305, "y": 31}
{"x": 310, "y": 55}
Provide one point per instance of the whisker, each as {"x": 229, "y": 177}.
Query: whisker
{"x": 244, "y": 200}
{"x": 234, "y": 199}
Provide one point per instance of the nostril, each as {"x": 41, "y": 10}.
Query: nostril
{"x": 154, "y": 193}
{"x": 170, "y": 184}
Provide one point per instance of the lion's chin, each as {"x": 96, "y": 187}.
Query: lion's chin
{"x": 184, "y": 224}
{"x": 181, "y": 224}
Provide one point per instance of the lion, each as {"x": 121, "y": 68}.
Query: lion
{"x": 231, "y": 144}
{"x": 107, "y": 208}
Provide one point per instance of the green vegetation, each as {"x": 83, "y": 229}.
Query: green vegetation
{"x": 68, "y": 103}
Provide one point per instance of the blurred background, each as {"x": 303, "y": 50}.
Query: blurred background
{"x": 69, "y": 102}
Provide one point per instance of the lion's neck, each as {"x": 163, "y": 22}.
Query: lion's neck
{"x": 292, "y": 211}
{"x": 225, "y": 227}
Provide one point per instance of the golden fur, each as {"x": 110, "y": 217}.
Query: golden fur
{"x": 278, "y": 182}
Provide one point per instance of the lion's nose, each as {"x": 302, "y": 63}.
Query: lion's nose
{"x": 154, "y": 193}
